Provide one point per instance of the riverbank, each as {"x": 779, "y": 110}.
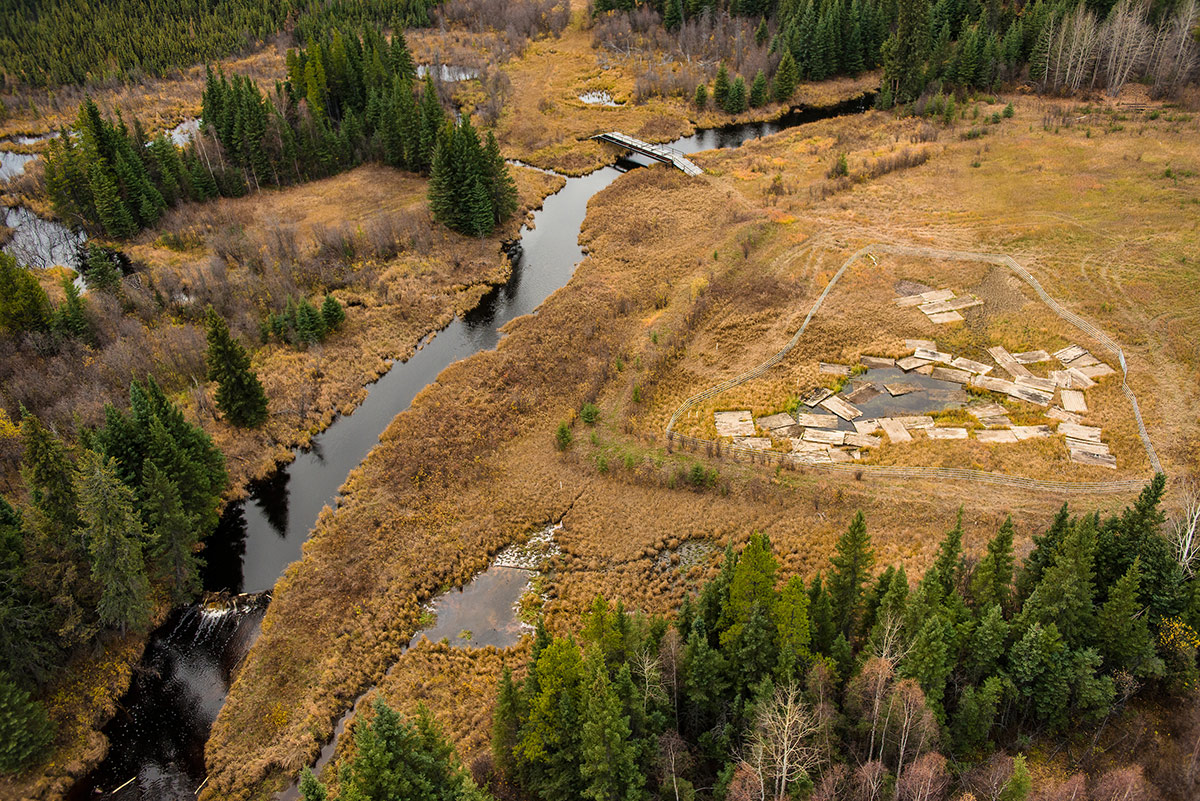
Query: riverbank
{"x": 676, "y": 268}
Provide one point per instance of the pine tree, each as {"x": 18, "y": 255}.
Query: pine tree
{"x": 609, "y": 769}
{"x": 172, "y": 535}
{"x": 310, "y": 325}
{"x": 674, "y": 16}
{"x": 1066, "y": 593}
{"x": 24, "y": 305}
{"x": 113, "y": 214}
{"x": 332, "y": 312}
{"x": 794, "y": 630}
{"x": 992, "y": 580}
{"x": 25, "y": 731}
{"x": 758, "y": 90}
{"x": 735, "y": 100}
{"x": 114, "y": 535}
{"x": 823, "y": 626}
{"x": 70, "y": 316}
{"x": 905, "y": 51}
{"x": 851, "y": 570}
{"x": 502, "y": 191}
{"x": 988, "y": 645}
{"x": 240, "y": 396}
{"x": 786, "y": 78}
{"x": 752, "y": 585}
{"x": 721, "y": 86}
{"x": 701, "y": 98}
{"x": 1124, "y": 637}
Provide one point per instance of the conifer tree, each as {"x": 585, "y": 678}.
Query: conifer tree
{"x": 905, "y": 51}
{"x": 114, "y": 535}
{"x": 609, "y": 769}
{"x": 929, "y": 662}
{"x": 1066, "y": 593}
{"x": 989, "y": 643}
{"x": 674, "y": 15}
{"x": 310, "y": 325}
{"x": 851, "y": 569}
{"x": 824, "y": 627}
{"x": 25, "y": 731}
{"x": 758, "y": 90}
{"x": 1124, "y": 636}
{"x": 992, "y": 580}
{"x": 70, "y": 317}
{"x": 24, "y": 305}
{"x": 332, "y": 312}
{"x": 752, "y": 585}
{"x": 793, "y": 627}
{"x": 721, "y": 86}
{"x": 701, "y": 98}
{"x": 502, "y": 190}
{"x": 240, "y": 396}
{"x": 735, "y": 100}
{"x": 172, "y": 534}
{"x": 506, "y": 723}
{"x": 786, "y": 78}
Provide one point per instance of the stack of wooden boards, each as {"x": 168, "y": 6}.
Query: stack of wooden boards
{"x": 940, "y": 305}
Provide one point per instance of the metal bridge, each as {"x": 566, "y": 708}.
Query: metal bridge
{"x": 667, "y": 155}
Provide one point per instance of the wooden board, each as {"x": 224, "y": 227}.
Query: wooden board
{"x": 840, "y": 408}
{"x": 801, "y": 446}
{"x": 925, "y": 369}
{"x": 916, "y": 421}
{"x": 895, "y": 430}
{"x": 1006, "y": 360}
{"x": 927, "y": 344}
{"x": 987, "y": 410}
{"x": 816, "y": 395}
{"x": 895, "y": 390}
{"x": 1044, "y": 384}
{"x": 911, "y": 363}
{"x": 876, "y": 362}
{"x": 866, "y": 426}
{"x": 1055, "y": 413}
{"x": 993, "y": 384}
{"x": 946, "y": 317}
{"x": 933, "y": 355}
{"x": 1076, "y": 431}
{"x": 996, "y": 421}
{"x": 1070, "y": 352}
{"x": 863, "y": 394}
{"x": 863, "y": 440}
{"x": 836, "y": 456}
{"x": 953, "y": 304}
{"x": 1084, "y": 445}
{"x": 819, "y": 456}
{"x": 833, "y": 369}
{"x": 1073, "y": 401}
{"x": 773, "y": 421}
{"x": 955, "y": 376}
{"x": 971, "y": 366}
{"x": 1086, "y": 360}
{"x": 1032, "y": 395}
{"x": 1005, "y": 437}
{"x": 1031, "y": 432}
{"x": 1031, "y": 357}
{"x": 817, "y": 420}
{"x": 754, "y": 443}
{"x": 824, "y": 436}
{"x": 925, "y": 297}
{"x": 1094, "y": 459}
{"x": 1079, "y": 379}
{"x": 1097, "y": 370}
{"x": 734, "y": 424}
{"x": 947, "y": 433}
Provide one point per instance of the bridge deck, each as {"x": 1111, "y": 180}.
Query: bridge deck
{"x": 667, "y": 155}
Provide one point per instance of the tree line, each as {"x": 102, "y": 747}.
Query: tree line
{"x": 858, "y": 684}
{"x": 347, "y": 100}
{"x": 109, "y": 526}
{"x": 55, "y": 42}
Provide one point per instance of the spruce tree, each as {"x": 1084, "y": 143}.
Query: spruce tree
{"x": 992, "y": 580}
{"x": 506, "y": 724}
{"x": 1066, "y": 594}
{"x": 113, "y": 214}
{"x": 24, "y": 305}
{"x": 905, "y": 51}
{"x": 721, "y": 86}
{"x": 310, "y": 325}
{"x": 824, "y": 628}
{"x": 240, "y": 396}
{"x": 609, "y": 769}
{"x": 332, "y": 312}
{"x": 930, "y": 663}
{"x": 794, "y": 630}
{"x": 701, "y": 98}
{"x": 25, "y": 731}
{"x": 114, "y": 534}
{"x": 502, "y": 190}
{"x": 674, "y": 15}
{"x": 1124, "y": 636}
{"x": 851, "y": 569}
{"x": 70, "y": 316}
{"x": 758, "y": 90}
{"x": 786, "y": 78}
{"x": 735, "y": 100}
{"x": 172, "y": 535}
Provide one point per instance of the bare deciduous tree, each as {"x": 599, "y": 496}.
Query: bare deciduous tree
{"x": 869, "y": 781}
{"x": 673, "y": 758}
{"x": 780, "y": 748}
{"x": 1184, "y": 533}
{"x": 926, "y": 780}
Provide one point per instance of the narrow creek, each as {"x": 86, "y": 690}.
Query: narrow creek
{"x": 158, "y": 735}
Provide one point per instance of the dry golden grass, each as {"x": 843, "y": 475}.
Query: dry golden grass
{"x": 472, "y": 465}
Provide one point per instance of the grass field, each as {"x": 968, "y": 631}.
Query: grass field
{"x": 688, "y": 282}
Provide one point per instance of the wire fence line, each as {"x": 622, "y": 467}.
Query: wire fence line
{"x": 917, "y": 472}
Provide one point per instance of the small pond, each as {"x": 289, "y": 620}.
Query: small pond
{"x": 13, "y": 164}
{"x": 931, "y": 395}
{"x": 39, "y": 242}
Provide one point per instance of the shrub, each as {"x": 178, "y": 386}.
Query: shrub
{"x": 589, "y": 413}
{"x": 563, "y": 436}
{"x": 1008, "y": 111}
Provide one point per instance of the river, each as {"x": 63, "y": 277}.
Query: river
{"x": 159, "y": 732}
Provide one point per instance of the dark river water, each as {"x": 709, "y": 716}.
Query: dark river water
{"x": 158, "y": 735}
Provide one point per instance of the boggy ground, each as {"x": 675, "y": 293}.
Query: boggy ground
{"x": 679, "y": 270}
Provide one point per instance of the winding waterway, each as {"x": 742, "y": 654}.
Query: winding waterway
{"x": 157, "y": 738}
